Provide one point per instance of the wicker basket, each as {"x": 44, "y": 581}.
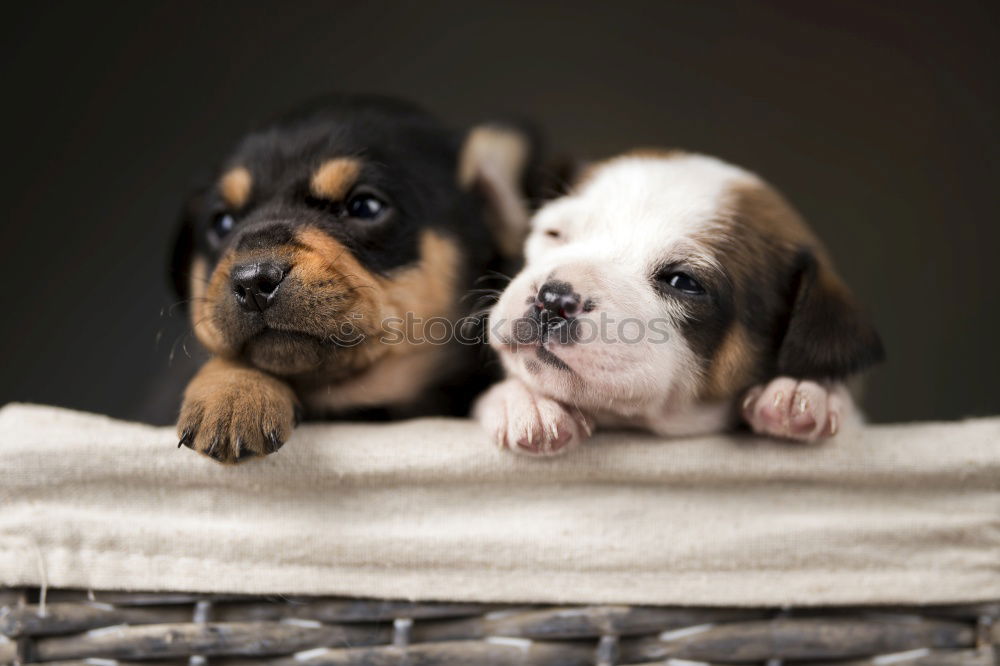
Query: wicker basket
{"x": 100, "y": 629}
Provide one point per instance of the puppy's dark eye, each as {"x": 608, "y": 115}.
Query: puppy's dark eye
{"x": 365, "y": 207}
{"x": 222, "y": 224}
{"x": 682, "y": 282}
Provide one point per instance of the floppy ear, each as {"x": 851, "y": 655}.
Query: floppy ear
{"x": 182, "y": 254}
{"x": 828, "y": 335}
{"x": 500, "y": 162}
{"x": 180, "y": 260}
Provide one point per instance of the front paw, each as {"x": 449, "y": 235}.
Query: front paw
{"x": 236, "y": 414}
{"x": 522, "y": 421}
{"x": 790, "y": 409}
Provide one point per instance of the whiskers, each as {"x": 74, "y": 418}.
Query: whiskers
{"x": 169, "y": 312}
{"x": 490, "y": 295}
{"x": 474, "y": 323}
{"x": 486, "y": 295}
{"x": 171, "y": 309}
{"x": 493, "y": 275}
{"x": 182, "y": 339}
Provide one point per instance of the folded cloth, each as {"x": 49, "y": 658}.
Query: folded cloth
{"x": 427, "y": 509}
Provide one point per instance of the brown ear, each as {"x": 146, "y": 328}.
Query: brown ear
{"x": 499, "y": 160}
{"x": 828, "y": 335}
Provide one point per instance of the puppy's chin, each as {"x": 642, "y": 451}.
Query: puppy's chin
{"x": 285, "y": 353}
{"x": 549, "y": 370}
{"x": 616, "y": 378}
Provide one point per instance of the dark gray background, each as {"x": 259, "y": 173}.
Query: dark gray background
{"x": 877, "y": 119}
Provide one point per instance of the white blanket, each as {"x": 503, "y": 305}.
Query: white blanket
{"x": 428, "y": 510}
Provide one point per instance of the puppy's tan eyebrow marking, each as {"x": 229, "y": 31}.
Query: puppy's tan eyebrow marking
{"x": 235, "y": 186}
{"x": 334, "y": 178}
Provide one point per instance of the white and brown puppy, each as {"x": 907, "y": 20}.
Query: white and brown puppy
{"x": 676, "y": 293}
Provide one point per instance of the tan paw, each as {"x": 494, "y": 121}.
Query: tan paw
{"x": 236, "y": 413}
{"x": 522, "y": 421}
{"x": 803, "y": 411}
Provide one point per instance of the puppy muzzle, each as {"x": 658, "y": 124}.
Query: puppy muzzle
{"x": 551, "y": 316}
{"x": 255, "y": 284}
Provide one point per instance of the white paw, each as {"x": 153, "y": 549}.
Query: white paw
{"x": 803, "y": 411}
{"x": 522, "y": 421}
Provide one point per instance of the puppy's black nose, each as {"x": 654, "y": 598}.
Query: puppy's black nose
{"x": 255, "y": 284}
{"x": 557, "y": 299}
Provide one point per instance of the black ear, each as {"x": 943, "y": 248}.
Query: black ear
{"x": 828, "y": 335}
{"x": 182, "y": 253}
{"x": 501, "y": 161}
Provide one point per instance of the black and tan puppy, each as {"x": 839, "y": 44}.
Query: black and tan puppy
{"x": 317, "y": 261}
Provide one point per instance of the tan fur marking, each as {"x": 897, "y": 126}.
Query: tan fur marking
{"x": 198, "y": 278}
{"x": 329, "y": 269}
{"x": 325, "y": 258}
{"x": 427, "y": 289}
{"x": 204, "y": 293}
{"x": 334, "y": 179}
{"x": 325, "y": 255}
{"x": 732, "y": 366}
{"x": 392, "y": 380}
{"x": 235, "y": 187}
{"x": 397, "y": 373}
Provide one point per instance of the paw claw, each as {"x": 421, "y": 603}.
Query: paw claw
{"x": 242, "y": 451}
{"x": 801, "y": 404}
{"x": 211, "y": 451}
{"x": 273, "y": 442}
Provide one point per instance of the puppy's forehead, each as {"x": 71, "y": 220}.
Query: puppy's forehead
{"x": 395, "y": 139}
{"x": 661, "y": 197}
